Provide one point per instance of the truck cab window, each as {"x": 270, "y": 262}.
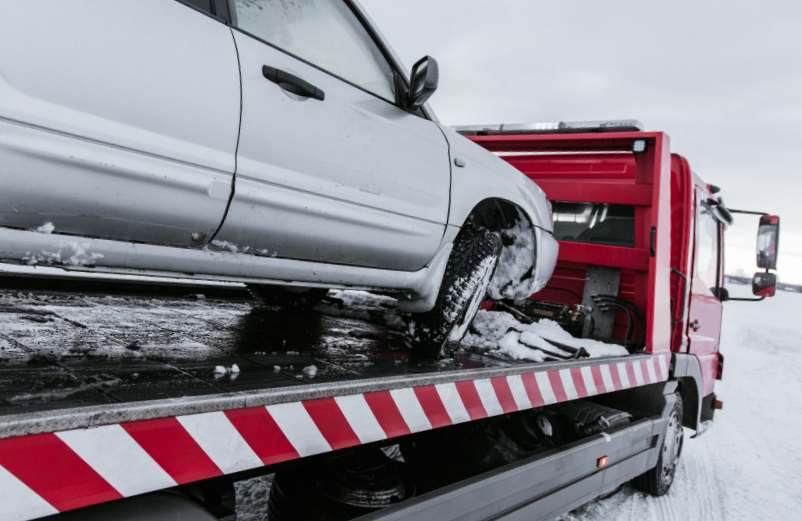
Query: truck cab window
{"x": 325, "y": 33}
{"x": 707, "y": 246}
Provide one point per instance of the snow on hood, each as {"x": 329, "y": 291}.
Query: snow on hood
{"x": 503, "y": 334}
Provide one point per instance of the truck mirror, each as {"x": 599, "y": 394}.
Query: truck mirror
{"x": 768, "y": 241}
{"x": 723, "y": 294}
{"x": 423, "y": 82}
{"x": 764, "y": 284}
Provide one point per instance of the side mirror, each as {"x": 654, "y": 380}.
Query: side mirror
{"x": 423, "y": 82}
{"x": 768, "y": 242}
{"x": 723, "y": 294}
{"x": 764, "y": 285}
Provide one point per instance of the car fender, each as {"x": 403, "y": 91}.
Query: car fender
{"x": 478, "y": 175}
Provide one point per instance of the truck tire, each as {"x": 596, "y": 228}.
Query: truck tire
{"x": 468, "y": 274}
{"x": 291, "y": 298}
{"x": 658, "y": 480}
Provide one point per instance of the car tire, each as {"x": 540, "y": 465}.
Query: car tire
{"x": 658, "y": 480}
{"x": 297, "y": 299}
{"x": 468, "y": 274}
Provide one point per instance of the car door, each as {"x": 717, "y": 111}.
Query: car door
{"x": 705, "y": 313}
{"x": 340, "y": 174}
{"x": 118, "y": 120}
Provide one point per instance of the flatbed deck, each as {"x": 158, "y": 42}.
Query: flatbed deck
{"x": 67, "y": 345}
{"x": 131, "y": 371}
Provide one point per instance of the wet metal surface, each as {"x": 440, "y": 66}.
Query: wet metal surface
{"x": 66, "y": 346}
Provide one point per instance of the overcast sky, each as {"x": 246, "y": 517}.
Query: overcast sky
{"x": 724, "y": 79}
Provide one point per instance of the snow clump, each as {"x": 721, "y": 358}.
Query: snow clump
{"x": 501, "y": 333}
{"x": 46, "y": 228}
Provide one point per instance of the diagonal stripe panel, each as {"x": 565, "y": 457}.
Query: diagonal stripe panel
{"x": 22, "y": 502}
{"x": 298, "y": 427}
{"x": 504, "y": 394}
{"x": 171, "y": 446}
{"x": 532, "y": 390}
{"x": 648, "y": 371}
{"x": 471, "y": 400}
{"x": 331, "y": 422}
{"x": 432, "y": 406}
{"x": 598, "y": 379}
{"x": 557, "y": 386}
{"x": 618, "y": 381}
{"x": 663, "y": 361}
{"x": 262, "y": 434}
{"x": 544, "y": 384}
{"x": 410, "y": 408}
{"x": 519, "y": 393}
{"x": 361, "y": 418}
{"x": 636, "y": 370}
{"x": 387, "y": 414}
{"x": 567, "y": 382}
{"x": 42, "y": 474}
{"x": 488, "y": 397}
{"x": 221, "y": 441}
{"x": 46, "y": 465}
{"x": 114, "y": 454}
{"x": 452, "y": 401}
{"x": 579, "y": 382}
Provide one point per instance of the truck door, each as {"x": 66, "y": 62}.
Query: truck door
{"x": 329, "y": 167}
{"x": 705, "y": 313}
{"x": 118, "y": 120}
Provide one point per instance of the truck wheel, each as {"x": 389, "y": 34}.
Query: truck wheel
{"x": 468, "y": 274}
{"x": 658, "y": 481}
{"x": 292, "y": 298}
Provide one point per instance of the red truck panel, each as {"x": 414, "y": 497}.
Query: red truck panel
{"x": 604, "y": 168}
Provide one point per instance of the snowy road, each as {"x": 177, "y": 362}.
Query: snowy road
{"x": 747, "y": 467}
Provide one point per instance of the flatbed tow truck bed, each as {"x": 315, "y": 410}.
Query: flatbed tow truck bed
{"x": 111, "y": 392}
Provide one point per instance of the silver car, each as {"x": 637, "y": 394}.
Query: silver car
{"x": 277, "y": 143}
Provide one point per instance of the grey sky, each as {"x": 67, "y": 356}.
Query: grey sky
{"x": 724, "y": 79}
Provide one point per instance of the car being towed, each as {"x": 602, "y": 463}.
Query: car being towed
{"x": 273, "y": 143}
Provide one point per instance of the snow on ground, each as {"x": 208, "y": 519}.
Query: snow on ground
{"x": 749, "y": 465}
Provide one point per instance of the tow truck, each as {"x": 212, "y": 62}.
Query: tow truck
{"x": 140, "y": 400}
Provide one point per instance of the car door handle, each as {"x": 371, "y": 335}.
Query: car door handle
{"x": 292, "y": 83}
{"x": 695, "y": 325}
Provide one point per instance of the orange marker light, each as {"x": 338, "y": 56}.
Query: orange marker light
{"x": 602, "y": 462}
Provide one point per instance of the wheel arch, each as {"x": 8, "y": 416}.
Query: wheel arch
{"x": 496, "y": 214}
{"x": 688, "y": 374}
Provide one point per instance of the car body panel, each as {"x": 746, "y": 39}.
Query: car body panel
{"x": 418, "y": 289}
{"x": 485, "y": 176}
{"x": 345, "y": 180}
{"x": 119, "y": 119}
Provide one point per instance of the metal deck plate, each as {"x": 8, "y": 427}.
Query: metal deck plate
{"x": 68, "y": 345}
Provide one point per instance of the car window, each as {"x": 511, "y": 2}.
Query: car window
{"x": 203, "y": 5}
{"x": 707, "y": 230}
{"x": 325, "y": 33}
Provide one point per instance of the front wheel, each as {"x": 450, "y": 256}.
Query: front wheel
{"x": 658, "y": 480}
{"x": 468, "y": 274}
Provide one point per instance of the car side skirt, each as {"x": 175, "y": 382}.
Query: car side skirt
{"x": 126, "y": 258}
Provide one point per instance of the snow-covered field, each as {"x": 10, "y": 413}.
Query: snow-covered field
{"x": 749, "y": 465}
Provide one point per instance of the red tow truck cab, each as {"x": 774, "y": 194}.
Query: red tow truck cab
{"x": 635, "y": 221}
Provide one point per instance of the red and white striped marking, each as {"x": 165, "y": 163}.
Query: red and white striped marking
{"x": 44, "y": 474}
